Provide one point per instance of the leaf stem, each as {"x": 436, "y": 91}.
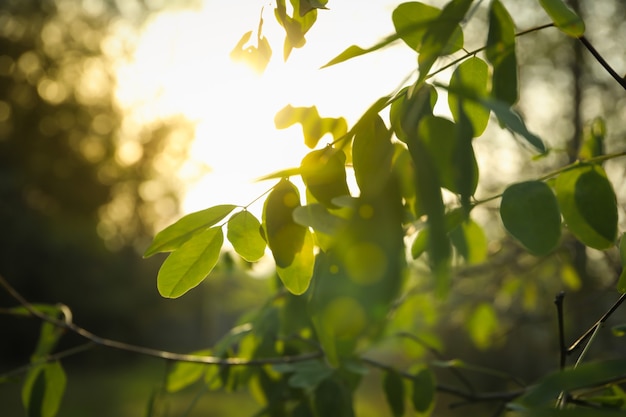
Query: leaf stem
{"x": 602, "y": 61}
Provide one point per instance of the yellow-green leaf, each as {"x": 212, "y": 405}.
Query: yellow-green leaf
{"x": 470, "y": 241}
{"x": 284, "y": 236}
{"x": 297, "y": 275}
{"x": 593, "y": 139}
{"x": 175, "y": 235}
{"x": 470, "y": 78}
{"x": 244, "y": 234}
{"x": 588, "y": 205}
{"x": 313, "y": 126}
{"x": 482, "y": 325}
{"x": 530, "y": 213}
{"x": 190, "y": 264}
{"x": 184, "y": 374}
{"x": 324, "y": 174}
{"x": 43, "y": 390}
{"x": 564, "y": 18}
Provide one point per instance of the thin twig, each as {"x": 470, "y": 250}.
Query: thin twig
{"x": 558, "y": 300}
{"x": 114, "y": 344}
{"x": 602, "y": 61}
{"x": 592, "y": 329}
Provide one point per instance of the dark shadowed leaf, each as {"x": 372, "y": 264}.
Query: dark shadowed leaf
{"x": 189, "y": 265}
{"x": 243, "y": 233}
{"x": 500, "y": 53}
{"x": 175, "y": 235}
{"x": 530, "y": 213}
{"x": 410, "y": 107}
{"x": 393, "y": 387}
{"x": 317, "y": 217}
{"x": 564, "y": 18}
{"x": 423, "y": 390}
{"x": 621, "y": 284}
{"x": 514, "y": 122}
{"x": 589, "y": 205}
{"x": 585, "y": 375}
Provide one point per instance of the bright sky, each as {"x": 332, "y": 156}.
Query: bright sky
{"x": 182, "y": 66}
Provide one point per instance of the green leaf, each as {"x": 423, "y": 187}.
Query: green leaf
{"x": 471, "y": 76}
{"x": 393, "y": 387}
{"x": 423, "y": 396}
{"x": 284, "y": 236}
{"x": 313, "y": 126}
{"x": 372, "y": 153}
{"x": 49, "y": 334}
{"x": 483, "y": 325}
{"x": 296, "y": 25}
{"x": 354, "y": 51}
{"x": 590, "y": 374}
{"x": 324, "y": 174}
{"x": 593, "y": 139}
{"x": 588, "y": 205}
{"x": 442, "y": 140}
{"x": 297, "y": 275}
{"x": 564, "y": 18}
{"x": 439, "y": 34}
{"x": 43, "y": 390}
{"x": 175, "y": 235}
{"x": 530, "y": 213}
{"x": 318, "y": 218}
{"x": 500, "y": 53}
{"x": 189, "y": 265}
{"x": 333, "y": 398}
{"x": 243, "y": 233}
{"x": 470, "y": 242}
{"x": 306, "y": 375}
{"x": 410, "y": 106}
{"x": 184, "y": 374}
{"x": 514, "y": 122}
{"x": 412, "y": 20}
{"x": 453, "y": 219}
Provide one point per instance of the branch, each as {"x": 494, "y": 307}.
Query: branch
{"x": 602, "y": 61}
{"x": 597, "y": 324}
{"x": 114, "y": 344}
{"x": 558, "y": 300}
{"x": 469, "y": 397}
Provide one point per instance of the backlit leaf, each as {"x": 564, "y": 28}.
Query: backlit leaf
{"x": 313, "y": 126}
{"x": 500, "y": 53}
{"x": 482, "y": 325}
{"x": 189, "y": 265}
{"x": 393, "y": 387}
{"x": 530, "y": 213}
{"x": 588, "y": 205}
{"x": 564, "y": 18}
{"x": 284, "y": 236}
{"x": 410, "y": 107}
{"x": 257, "y": 57}
{"x": 43, "y": 390}
{"x": 297, "y": 275}
{"x": 412, "y": 21}
{"x": 354, "y": 51}
{"x": 423, "y": 390}
{"x": 317, "y": 217}
{"x": 593, "y": 139}
{"x": 471, "y": 77}
{"x": 243, "y": 233}
{"x": 372, "y": 153}
{"x": 470, "y": 242}
{"x": 175, "y": 235}
{"x": 324, "y": 174}
{"x": 184, "y": 374}
{"x": 439, "y": 34}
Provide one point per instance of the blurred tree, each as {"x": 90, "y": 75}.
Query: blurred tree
{"x": 80, "y": 187}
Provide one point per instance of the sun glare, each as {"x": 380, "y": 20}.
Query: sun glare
{"x": 181, "y": 66}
